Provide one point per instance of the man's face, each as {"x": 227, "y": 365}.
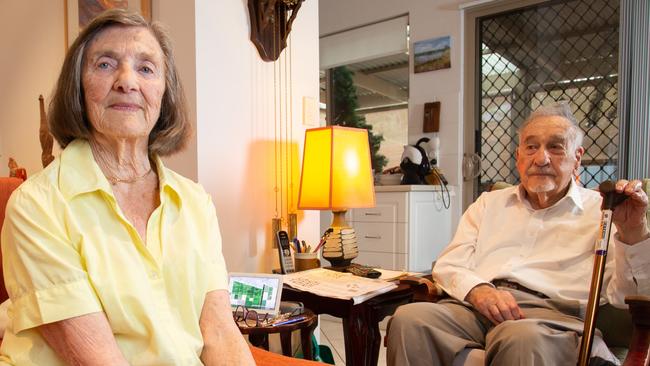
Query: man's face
{"x": 546, "y": 159}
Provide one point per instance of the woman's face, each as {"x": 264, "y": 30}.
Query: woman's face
{"x": 123, "y": 80}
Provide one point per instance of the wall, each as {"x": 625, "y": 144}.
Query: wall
{"x": 230, "y": 92}
{"x": 31, "y": 60}
{"x": 427, "y": 19}
{"x": 31, "y": 53}
{"x": 235, "y": 130}
{"x": 180, "y": 23}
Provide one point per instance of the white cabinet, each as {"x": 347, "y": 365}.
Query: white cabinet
{"x": 407, "y": 229}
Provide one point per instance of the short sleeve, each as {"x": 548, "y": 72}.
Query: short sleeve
{"x": 43, "y": 270}
{"x": 216, "y": 271}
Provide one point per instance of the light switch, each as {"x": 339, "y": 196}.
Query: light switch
{"x": 309, "y": 112}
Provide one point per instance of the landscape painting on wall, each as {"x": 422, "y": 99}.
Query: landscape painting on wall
{"x": 80, "y": 12}
{"x": 88, "y": 9}
{"x": 432, "y": 54}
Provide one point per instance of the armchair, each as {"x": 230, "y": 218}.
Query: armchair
{"x": 626, "y": 332}
{"x": 266, "y": 358}
{"x": 7, "y": 186}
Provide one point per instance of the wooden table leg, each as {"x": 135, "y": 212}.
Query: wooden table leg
{"x": 362, "y": 338}
{"x": 305, "y": 340}
{"x": 374, "y": 342}
{"x": 260, "y": 340}
{"x": 361, "y": 327}
{"x": 285, "y": 342}
{"x": 360, "y": 321}
{"x": 350, "y": 340}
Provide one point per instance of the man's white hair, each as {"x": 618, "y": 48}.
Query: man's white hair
{"x": 558, "y": 109}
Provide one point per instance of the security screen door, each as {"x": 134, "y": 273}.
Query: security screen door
{"x": 557, "y": 50}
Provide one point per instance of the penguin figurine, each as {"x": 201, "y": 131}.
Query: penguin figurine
{"x": 415, "y": 164}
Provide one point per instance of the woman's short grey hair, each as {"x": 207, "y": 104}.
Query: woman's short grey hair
{"x": 68, "y": 119}
{"x": 558, "y": 109}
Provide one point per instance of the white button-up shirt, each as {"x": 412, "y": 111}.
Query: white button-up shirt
{"x": 550, "y": 250}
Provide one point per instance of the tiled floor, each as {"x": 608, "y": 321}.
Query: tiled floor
{"x": 331, "y": 335}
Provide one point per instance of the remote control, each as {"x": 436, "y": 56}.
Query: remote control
{"x": 286, "y": 259}
{"x": 362, "y": 271}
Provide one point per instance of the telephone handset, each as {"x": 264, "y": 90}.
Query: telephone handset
{"x": 284, "y": 249}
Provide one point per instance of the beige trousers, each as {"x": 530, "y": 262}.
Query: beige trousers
{"x": 434, "y": 333}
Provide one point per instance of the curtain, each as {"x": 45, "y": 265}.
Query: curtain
{"x": 634, "y": 98}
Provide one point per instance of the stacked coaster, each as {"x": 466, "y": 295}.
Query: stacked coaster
{"x": 341, "y": 244}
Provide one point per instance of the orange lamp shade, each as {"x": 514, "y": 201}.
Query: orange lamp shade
{"x": 336, "y": 170}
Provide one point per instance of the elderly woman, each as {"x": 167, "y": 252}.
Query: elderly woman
{"x": 109, "y": 257}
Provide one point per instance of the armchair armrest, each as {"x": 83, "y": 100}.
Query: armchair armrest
{"x": 639, "y": 307}
{"x": 425, "y": 289}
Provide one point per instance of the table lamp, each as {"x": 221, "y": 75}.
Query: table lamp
{"x": 337, "y": 175}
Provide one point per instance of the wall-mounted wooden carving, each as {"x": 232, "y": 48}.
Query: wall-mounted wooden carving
{"x": 46, "y": 139}
{"x": 270, "y": 25}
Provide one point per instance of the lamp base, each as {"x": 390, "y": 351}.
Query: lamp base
{"x": 341, "y": 244}
{"x": 340, "y": 262}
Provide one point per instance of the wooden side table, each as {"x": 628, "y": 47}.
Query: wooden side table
{"x": 259, "y": 336}
{"x": 360, "y": 322}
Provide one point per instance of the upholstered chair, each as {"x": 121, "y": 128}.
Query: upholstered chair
{"x": 7, "y": 186}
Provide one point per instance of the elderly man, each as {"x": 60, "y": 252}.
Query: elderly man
{"x": 519, "y": 267}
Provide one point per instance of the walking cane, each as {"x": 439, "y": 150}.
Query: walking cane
{"x": 610, "y": 200}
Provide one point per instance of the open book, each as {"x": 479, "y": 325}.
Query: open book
{"x": 339, "y": 285}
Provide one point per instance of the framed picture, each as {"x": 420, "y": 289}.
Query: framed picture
{"x": 432, "y": 54}
{"x": 80, "y": 12}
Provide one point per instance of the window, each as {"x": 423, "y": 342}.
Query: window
{"x": 364, "y": 84}
{"x": 559, "y": 50}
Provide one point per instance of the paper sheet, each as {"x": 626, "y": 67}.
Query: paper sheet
{"x": 389, "y": 275}
{"x": 339, "y": 285}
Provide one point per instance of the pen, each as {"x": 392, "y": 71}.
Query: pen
{"x": 323, "y": 239}
{"x": 320, "y": 244}
{"x": 297, "y": 244}
{"x": 290, "y": 320}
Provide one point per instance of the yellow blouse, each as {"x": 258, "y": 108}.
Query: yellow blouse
{"x": 68, "y": 250}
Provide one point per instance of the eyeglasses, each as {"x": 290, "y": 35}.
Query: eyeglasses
{"x": 250, "y": 318}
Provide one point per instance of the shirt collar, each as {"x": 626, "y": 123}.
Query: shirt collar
{"x": 167, "y": 181}
{"x": 79, "y": 173}
{"x": 572, "y": 195}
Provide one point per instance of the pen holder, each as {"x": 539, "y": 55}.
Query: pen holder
{"x": 305, "y": 261}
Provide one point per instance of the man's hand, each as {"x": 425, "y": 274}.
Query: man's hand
{"x": 630, "y": 216}
{"x": 496, "y": 305}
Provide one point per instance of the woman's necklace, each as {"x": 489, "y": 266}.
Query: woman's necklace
{"x": 101, "y": 161}
{"x": 115, "y": 180}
